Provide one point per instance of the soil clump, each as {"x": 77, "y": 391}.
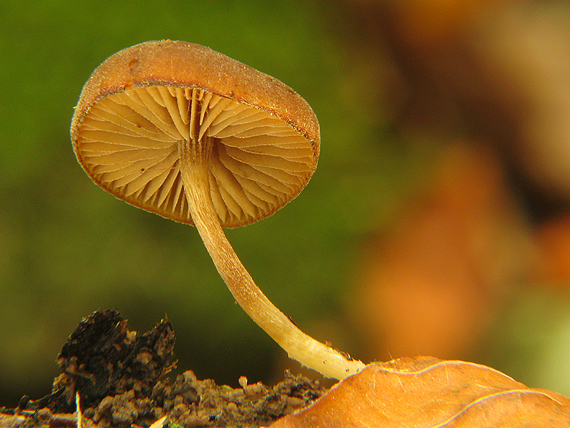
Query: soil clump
{"x": 119, "y": 377}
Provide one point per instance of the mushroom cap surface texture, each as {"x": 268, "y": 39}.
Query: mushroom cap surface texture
{"x": 261, "y": 139}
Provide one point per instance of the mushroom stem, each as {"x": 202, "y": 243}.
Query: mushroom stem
{"x": 298, "y": 345}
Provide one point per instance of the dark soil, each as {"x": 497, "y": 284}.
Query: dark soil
{"x": 120, "y": 379}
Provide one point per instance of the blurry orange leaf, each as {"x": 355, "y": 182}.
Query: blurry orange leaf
{"x": 427, "y": 392}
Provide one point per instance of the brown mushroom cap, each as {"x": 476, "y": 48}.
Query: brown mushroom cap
{"x": 137, "y": 106}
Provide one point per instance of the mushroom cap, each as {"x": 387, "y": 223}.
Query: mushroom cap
{"x": 136, "y": 108}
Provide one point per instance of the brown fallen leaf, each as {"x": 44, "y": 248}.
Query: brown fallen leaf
{"x": 427, "y": 392}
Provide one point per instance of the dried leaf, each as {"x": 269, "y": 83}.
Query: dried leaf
{"x": 427, "y": 392}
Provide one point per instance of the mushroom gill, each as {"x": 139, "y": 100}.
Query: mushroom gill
{"x": 130, "y": 140}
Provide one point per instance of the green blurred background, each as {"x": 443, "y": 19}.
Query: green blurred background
{"x": 396, "y": 91}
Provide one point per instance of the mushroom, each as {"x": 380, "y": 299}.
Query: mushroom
{"x": 190, "y": 134}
